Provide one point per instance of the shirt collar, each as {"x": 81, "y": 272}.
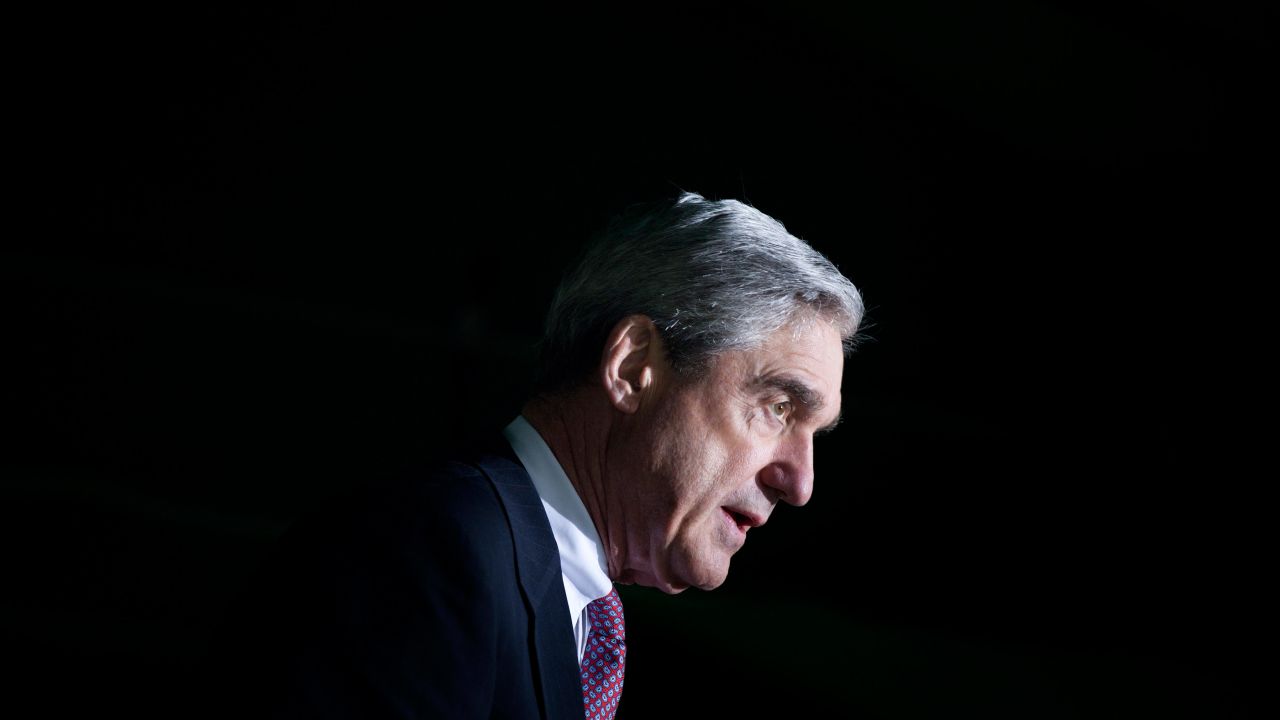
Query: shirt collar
{"x": 582, "y": 560}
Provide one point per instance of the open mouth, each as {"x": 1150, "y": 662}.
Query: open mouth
{"x": 742, "y": 522}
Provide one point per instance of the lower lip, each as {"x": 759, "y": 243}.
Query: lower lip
{"x": 739, "y": 529}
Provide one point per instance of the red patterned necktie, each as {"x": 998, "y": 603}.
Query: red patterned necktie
{"x": 603, "y": 663}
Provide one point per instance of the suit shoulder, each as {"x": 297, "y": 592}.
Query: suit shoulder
{"x": 449, "y": 491}
{"x": 443, "y": 505}
{"x": 421, "y": 509}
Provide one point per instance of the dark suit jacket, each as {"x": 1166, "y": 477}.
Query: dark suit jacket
{"x": 438, "y": 595}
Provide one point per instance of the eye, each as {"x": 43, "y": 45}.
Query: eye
{"x": 781, "y": 410}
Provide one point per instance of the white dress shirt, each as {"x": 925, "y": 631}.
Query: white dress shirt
{"x": 582, "y": 561}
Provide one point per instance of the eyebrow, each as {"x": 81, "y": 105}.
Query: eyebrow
{"x": 802, "y": 393}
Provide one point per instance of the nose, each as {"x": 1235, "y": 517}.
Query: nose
{"x": 790, "y": 475}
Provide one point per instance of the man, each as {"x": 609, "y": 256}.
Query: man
{"x": 689, "y": 359}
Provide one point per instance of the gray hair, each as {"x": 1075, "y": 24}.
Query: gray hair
{"x": 712, "y": 275}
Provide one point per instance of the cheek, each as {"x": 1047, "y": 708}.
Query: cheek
{"x": 695, "y": 476}
{"x": 680, "y": 463}
{"x": 726, "y": 475}
{"x": 708, "y": 457}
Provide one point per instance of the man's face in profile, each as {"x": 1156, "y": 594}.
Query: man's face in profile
{"x": 724, "y": 449}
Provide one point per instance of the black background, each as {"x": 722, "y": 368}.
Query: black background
{"x": 262, "y": 253}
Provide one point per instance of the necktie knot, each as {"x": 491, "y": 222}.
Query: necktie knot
{"x": 605, "y": 658}
{"x": 605, "y": 615}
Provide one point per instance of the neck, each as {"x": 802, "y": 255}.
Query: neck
{"x": 577, "y": 431}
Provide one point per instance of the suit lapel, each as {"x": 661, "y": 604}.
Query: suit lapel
{"x": 538, "y": 567}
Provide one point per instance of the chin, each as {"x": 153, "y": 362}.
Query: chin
{"x": 704, "y": 576}
{"x": 670, "y": 586}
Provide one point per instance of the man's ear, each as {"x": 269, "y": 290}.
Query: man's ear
{"x": 633, "y": 355}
